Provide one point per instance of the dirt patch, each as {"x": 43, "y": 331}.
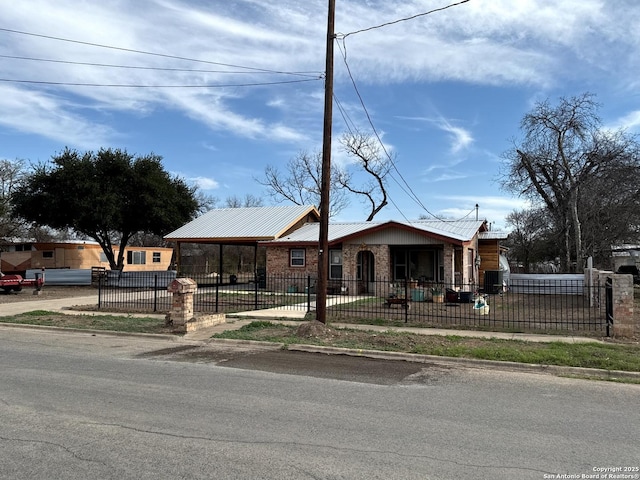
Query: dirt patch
{"x": 314, "y": 329}
{"x": 52, "y": 292}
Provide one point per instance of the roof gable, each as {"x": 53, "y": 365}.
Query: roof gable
{"x": 452, "y": 231}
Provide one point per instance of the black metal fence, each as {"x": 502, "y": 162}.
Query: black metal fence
{"x": 535, "y": 306}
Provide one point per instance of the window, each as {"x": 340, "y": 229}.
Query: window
{"x": 335, "y": 264}
{"x": 399, "y": 265}
{"x": 297, "y": 257}
{"x": 47, "y": 254}
{"x": 136, "y": 258}
{"x": 103, "y": 257}
{"x": 156, "y": 257}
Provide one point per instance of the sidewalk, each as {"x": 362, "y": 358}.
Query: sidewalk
{"x": 236, "y": 321}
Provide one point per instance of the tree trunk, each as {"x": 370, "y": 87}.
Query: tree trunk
{"x": 577, "y": 229}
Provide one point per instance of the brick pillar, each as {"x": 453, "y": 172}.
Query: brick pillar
{"x": 623, "y": 322}
{"x": 449, "y": 265}
{"x": 183, "y": 290}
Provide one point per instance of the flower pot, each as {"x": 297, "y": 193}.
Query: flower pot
{"x": 438, "y": 298}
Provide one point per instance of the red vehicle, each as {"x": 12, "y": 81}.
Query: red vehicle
{"x": 16, "y": 282}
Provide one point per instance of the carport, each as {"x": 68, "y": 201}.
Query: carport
{"x": 238, "y": 227}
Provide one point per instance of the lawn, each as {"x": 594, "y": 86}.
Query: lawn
{"x": 607, "y": 356}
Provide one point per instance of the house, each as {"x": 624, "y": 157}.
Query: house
{"x": 454, "y": 253}
{"x": 18, "y": 256}
{"x": 457, "y": 254}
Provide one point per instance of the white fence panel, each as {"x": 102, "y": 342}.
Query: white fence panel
{"x": 547, "y": 283}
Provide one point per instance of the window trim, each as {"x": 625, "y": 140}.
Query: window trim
{"x": 136, "y": 257}
{"x": 336, "y": 265}
{"x": 302, "y": 258}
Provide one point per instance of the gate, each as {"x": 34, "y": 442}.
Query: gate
{"x": 608, "y": 288}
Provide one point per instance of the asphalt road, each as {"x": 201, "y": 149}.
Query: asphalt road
{"x": 76, "y": 405}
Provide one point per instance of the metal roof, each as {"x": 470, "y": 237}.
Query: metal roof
{"x": 463, "y": 230}
{"x": 242, "y": 224}
{"x": 493, "y": 235}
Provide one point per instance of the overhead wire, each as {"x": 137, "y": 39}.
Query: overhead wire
{"x": 352, "y": 128}
{"x": 342, "y": 37}
{"x": 375, "y": 132}
{"x": 143, "y": 52}
{"x": 313, "y": 77}
{"x": 126, "y": 85}
{"x": 165, "y": 69}
{"x": 412, "y": 17}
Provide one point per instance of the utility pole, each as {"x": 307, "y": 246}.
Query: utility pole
{"x": 323, "y": 241}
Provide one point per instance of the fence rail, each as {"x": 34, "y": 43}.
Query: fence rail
{"x": 559, "y": 305}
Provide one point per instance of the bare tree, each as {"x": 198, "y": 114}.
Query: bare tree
{"x": 301, "y": 183}
{"x": 205, "y": 202}
{"x": 610, "y": 199}
{"x": 249, "y": 200}
{"x": 12, "y": 173}
{"x": 562, "y": 150}
{"x": 367, "y": 152}
{"x": 530, "y": 236}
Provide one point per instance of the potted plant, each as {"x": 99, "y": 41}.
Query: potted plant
{"x": 437, "y": 294}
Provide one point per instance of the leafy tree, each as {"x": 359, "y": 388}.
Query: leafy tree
{"x": 108, "y": 196}
{"x": 564, "y": 150}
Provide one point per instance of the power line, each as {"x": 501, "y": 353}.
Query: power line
{"x": 412, "y": 194}
{"x": 143, "y": 52}
{"x": 404, "y": 19}
{"x": 117, "y": 85}
{"x": 375, "y": 131}
{"x": 352, "y": 128}
{"x": 136, "y": 67}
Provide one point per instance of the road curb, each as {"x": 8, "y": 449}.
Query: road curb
{"x": 113, "y": 333}
{"x": 376, "y": 354}
{"x": 471, "y": 362}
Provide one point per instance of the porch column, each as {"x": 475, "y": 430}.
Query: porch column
{"x": 449, "y": 264}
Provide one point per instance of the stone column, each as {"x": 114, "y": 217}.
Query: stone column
{"x": 623, "y": 321}
{"x": 183, "y": 290}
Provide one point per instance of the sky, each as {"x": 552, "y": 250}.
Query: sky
{"x": 221, "y": 89}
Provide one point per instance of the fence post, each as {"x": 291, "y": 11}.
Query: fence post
{"x": 308, "y": 293}
{"x": 608, "y": 285}
{"x": 155, "y": 292}
{"x": 219, "y": 280}
{"x": 255, "y": 289}
{"x": 406, "y": 299}
{"x": 100, "y": 280}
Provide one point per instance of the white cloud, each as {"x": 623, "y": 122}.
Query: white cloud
{"x": 460, "y": 138}
{"x": 538, "y": 43}
{"x": 50, "y": 117}
{"x": 631, "y": 121}
{"x": 205, "y": 183}
{"x": 490, "y": 207}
